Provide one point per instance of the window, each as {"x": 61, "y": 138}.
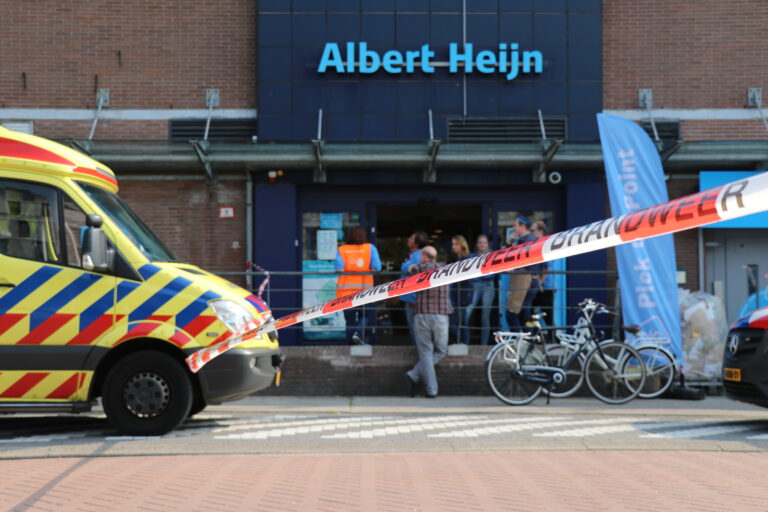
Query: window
{"x": 74, "y": 231}
{"x": 29, "y": 222}
{"x": 317, "y": 226}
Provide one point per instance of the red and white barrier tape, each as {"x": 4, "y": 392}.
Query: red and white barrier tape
{"x": 250, "y": 266}
{"x": 264, "y": 283}
{"x": 730, "y": 201}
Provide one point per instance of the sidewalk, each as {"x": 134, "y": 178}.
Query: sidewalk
{"x": 711, "y": 406}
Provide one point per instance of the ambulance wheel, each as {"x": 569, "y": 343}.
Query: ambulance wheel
{"x": 198, "y": 404}
{"x": 147, "y": 393}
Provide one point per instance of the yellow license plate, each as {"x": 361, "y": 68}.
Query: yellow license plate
{"x": 733, "y": 374}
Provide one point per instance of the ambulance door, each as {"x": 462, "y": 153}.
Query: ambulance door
{"x": 51, "y": 310}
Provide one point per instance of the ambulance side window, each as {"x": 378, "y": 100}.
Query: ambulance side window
{"x": 29, "y": 222}
{"x": 74, "y": 231}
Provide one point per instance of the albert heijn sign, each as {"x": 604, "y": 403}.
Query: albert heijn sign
{"x": 355, "y": 57}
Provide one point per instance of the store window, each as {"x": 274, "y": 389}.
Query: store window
{"x": 322, "y": 233}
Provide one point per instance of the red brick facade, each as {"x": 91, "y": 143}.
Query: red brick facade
{"x": 151, "y": 55}
{"x": 694, "y": 55}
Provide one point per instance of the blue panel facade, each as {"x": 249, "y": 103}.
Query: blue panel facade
{"x": 580, "y": 212}
{"x": 384, "y": 106}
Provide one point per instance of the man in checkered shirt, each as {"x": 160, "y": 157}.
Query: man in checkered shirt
{"x": 430, "y": 326}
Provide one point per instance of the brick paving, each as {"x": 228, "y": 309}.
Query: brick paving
{"x": 521, "y": 480}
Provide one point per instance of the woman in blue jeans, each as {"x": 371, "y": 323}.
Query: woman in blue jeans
{"x": 483, "y": 293}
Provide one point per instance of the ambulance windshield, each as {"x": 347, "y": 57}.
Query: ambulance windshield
{"x": 129, "y": 223}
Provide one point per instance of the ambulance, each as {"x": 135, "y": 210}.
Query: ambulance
{"x": 94, "y": 305}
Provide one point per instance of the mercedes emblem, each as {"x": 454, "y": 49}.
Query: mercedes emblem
{"x": 733, "y": 344}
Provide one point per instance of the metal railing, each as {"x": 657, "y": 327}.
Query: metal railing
{"x": 285, "y": 289}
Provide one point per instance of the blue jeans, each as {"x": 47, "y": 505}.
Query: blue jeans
{"x": 483, "y": 292}
{"x": 359, "y": 321}
{"x": 513, "y": 321}
{"x": 409, "y": 307}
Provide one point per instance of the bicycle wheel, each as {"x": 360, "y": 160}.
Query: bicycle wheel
{"x": 615, "y": 372}
{"x": 659, "y": 370}
{"x": 557, "y": 355}
{"x": 504, "y": 377}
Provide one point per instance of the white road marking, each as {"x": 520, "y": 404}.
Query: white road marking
{"x": 704, "y": 431}
{"x": 629, "y": 427}
{"x": 541, "y": 424}
{"x": 434, "y": 424}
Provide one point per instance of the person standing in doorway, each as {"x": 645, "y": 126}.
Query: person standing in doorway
{"x": 483, "y": 290}
{"x": 416, "y": 242}
{"x": 460, "y": 292}
{"x": 519, "y": 280}
{"x": 430, "y": 324}
{"x": 360, "y": 257}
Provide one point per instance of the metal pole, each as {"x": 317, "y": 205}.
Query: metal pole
{"x": 431, "y": 129}
{"x": 653, "y": 124}
{"x": 249, "y": 229}
{"x": 208, "y": 121}
{"x": 464, "y": 48}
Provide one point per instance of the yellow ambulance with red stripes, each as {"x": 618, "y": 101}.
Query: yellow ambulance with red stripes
{"x": 93, "y": 304}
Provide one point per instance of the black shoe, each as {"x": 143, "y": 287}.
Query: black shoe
{"x": 410, "y": 386}
{"x": 431, "y": 396}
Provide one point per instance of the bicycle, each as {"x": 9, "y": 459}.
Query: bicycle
{"x": 517, "y": 372}
{"x": 660, "y": 364}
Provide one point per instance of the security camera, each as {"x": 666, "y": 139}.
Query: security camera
{"x": 554, "y": 177}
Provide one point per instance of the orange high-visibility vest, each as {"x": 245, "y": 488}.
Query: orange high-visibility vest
{"x": 357, "y": 258}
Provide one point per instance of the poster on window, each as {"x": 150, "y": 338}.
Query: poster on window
{"x": 331, "y": 221}
{"x": 316, "y": 290}
{"x": 326, "y": 244}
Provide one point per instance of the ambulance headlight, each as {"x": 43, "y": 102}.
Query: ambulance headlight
{"x": 231, "y": 314}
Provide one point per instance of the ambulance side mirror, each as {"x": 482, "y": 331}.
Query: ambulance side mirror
{"x": 96, "y": 251}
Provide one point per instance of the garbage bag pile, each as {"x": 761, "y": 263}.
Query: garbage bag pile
{"x": 704, "y": 331}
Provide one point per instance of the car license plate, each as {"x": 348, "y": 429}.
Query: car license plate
{"x": 733, "y": 374}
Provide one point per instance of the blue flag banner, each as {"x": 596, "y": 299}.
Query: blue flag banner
{"x": 647, "y": 270}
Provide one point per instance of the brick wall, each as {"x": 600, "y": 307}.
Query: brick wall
{"x": 149, "y": 54}
{"x": 723, "y": 130}
{"x": 184, "y": 213}
{"x": 701, "y": 54}
{"x": 106, "y": 129}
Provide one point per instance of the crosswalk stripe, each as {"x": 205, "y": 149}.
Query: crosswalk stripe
{"x": 546, "y": 423}
{"x": 629, "y": 427}
{"x": 433, "y": 424}
{"x": 706, "y": 431}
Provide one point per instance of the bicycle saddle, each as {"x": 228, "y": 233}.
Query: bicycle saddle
{"x": 631, "y": 329}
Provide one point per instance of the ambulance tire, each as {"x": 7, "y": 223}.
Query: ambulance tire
{"x": 198, "y": 404}
{"x": 147, "y": 393}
